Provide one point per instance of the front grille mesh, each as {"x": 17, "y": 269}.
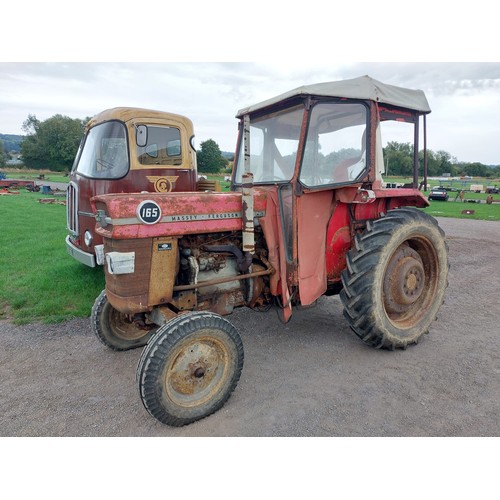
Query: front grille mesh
{"x": 72, "y": 209}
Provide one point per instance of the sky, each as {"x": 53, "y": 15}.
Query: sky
{"x": 207, "y": 60}
{"x": 464, "y": 97}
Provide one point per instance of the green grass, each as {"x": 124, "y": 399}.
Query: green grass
{"x": 452, "y": 208}
{"x": 39, "y": 279}
{"x": 481, "y": 211}
{"x": 30, "y": 175}
{"x": 458, "y": 185}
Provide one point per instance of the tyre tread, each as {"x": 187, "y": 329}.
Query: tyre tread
{"x": 358, "y": 277}
{"x": 161, "y": 343}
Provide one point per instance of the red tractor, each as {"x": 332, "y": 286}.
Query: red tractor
{"x": 307, "y": 216}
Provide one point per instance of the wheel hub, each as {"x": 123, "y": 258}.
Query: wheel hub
{"x": 195, "y": 369}
{"x": 404, "y": 280}
{"x": 125, "y": 327}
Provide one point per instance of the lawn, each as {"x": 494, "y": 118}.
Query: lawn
{"x": 478, "y": 211}
{"x": 461, "y": 210}
{"x": 40, "y": 281}
{"x": 34, "y": 175}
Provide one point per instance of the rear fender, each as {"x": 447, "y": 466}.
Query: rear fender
{"x": 350, "y": 209}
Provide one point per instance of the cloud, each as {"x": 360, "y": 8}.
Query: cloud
{"x": 464, "y": 97}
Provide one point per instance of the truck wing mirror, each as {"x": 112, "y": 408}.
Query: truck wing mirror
{"x": 141, "y": 135}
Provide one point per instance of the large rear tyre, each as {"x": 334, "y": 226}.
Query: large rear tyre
{"x": 395, "y": 279}
{"x": 115, "y": 329}
{"x": 189, "y": 368}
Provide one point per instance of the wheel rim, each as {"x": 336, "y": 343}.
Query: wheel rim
{"x": 410, "y": 282}
{"x": 123, "y": 327}
{"x": 197, "y": 370}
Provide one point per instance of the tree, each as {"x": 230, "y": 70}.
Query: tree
{"x": 3, "y": 155}
{"x": 52, "y": 143}
{"x": 438, "y": 163}
{"x": 475, "y": 169}
{"x": 399, "y": 158}
{"x": 11, "y": 142}
{"x": 209, "y": 158}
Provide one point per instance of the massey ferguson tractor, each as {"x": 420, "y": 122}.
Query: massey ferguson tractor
{"x": 307, "y": 216}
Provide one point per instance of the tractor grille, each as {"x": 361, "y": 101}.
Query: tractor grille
{"x": 72, "y": 209}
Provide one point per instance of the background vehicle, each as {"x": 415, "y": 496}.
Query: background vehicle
{"x": 126, "y": 150}
{"x": 306, "y": 216}
{"x": 438, "y": 194}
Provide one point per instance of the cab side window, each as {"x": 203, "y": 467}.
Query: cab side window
{"x": 163, "y": 147}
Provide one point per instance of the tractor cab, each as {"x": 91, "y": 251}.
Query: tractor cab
{"x": 320, "y": 146}
{"x": 326, "y": 135}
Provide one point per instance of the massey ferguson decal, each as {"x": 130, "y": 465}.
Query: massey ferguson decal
{"x": 198, "y": 217}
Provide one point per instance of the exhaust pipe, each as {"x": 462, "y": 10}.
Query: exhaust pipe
{"x": 247, "y": 196}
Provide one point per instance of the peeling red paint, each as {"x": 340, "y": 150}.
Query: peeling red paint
{"x": 189, "y": 213}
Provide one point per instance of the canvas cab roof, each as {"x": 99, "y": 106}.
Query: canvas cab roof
{"x": 363, "y": 87}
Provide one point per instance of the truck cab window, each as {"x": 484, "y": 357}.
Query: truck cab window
{"x": 105, "y": 152}
{"x": 163, "y": 147}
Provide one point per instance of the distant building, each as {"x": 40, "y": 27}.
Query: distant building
{"x": 14, "y": 162}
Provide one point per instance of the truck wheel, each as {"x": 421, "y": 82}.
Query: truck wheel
{"x": 115, "y": 329}
{"x": 189, "y": 368}
{"x": 395, "y": 279}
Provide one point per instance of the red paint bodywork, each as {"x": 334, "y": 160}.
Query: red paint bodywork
{"x": 187, "y": 208}
{"x": 326, "y": 225}
{"x": 338, "y": 241}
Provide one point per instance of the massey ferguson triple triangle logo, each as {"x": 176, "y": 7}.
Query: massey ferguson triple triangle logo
{"x": 162, "y": 183}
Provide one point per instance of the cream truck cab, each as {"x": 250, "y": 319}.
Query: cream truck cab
{"x": 126, "y": 150}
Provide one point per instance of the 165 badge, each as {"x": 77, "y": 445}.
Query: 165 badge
{"x": 149, "y": 212}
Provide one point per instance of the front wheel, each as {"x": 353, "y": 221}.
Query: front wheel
{"x": 117, "y": 330}
{"x": 189, "y": 368}
{"x": 395, "y": 279}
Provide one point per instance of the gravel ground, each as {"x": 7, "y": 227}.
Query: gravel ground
{"x": 311, "y": 377}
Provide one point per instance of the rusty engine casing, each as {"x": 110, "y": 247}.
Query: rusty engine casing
{"x": 189, "y": 259}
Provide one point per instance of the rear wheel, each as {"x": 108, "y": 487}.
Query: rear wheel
{"x": 395, "y": 279}
{"x": 189, "y": 368}
{"x": 116, "y": 330}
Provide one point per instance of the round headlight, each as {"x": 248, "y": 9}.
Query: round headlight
{"x": 87, "y": 238}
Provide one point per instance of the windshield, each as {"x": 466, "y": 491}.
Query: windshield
{"x": 274, "y": 140}
{"x": 335, "y": 150}
{"x": 105, "y": 152}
